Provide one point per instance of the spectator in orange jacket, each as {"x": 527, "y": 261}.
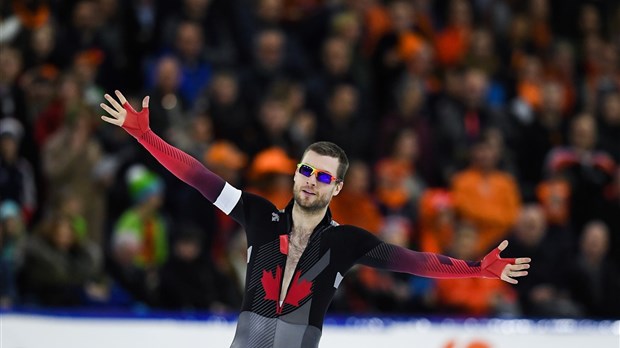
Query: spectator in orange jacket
{"x": 486, "y": 196}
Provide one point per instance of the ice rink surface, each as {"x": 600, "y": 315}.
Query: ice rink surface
{"x": 20, "y": 330}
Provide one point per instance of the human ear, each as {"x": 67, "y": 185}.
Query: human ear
{"x": 338, "y": 188}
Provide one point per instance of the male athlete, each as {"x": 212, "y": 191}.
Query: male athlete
{"x": 298, "y": 256}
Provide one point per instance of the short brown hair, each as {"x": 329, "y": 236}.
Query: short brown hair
{"x": 327, "y": 148}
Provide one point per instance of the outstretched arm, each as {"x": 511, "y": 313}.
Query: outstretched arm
{"x": 399, "y": 259}
{"x": 182, "y": 165}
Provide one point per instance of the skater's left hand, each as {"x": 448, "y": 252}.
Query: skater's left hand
{"x": 506, "y": 269}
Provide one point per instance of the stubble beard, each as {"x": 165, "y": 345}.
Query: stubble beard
{"x": 319, "y": 203}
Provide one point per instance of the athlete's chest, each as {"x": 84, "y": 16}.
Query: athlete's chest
{"x": 291, "y": 270}
{"x": 297, "y": 243}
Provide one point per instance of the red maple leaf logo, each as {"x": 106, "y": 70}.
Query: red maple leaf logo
{"x": 271, "y": 284}
{"x": 297, "y": 291}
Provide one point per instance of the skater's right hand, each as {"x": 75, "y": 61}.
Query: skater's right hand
{"x": 124, "y": 115}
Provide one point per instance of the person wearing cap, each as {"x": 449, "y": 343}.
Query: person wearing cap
{"x": 269, "y": 176}
{"x": 16, "y": 173}
{"x": 227, "y": 161}
{"x": 140, "y": 237}
{"x": 297, "y": 256}
{"x": 139, "y": 241}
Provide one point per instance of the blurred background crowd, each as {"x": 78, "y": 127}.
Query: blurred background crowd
{"x": 466, "y": 122}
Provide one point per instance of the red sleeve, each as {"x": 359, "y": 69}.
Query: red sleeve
{"x": 182, "y": 165}
{"x": 395, "y": 258}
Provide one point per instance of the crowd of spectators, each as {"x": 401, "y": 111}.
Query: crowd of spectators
{"x": 466, "y": 122}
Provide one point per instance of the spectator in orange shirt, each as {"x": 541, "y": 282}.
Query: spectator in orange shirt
{"x": 530, "y": 82}
{"x": 453, "y": 41}
{"x": 474, "y": 296}
{"x": 398, "y": 185}
{"x": 486, "y": 196}
{"x": 554, "y": 195}
{"x": 356, "y": 194}
{"x": 32, "y": 15}
{"x": 437, "y": 221}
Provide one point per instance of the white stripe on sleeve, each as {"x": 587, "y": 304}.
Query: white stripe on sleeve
{"x": 228, "y": 198}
